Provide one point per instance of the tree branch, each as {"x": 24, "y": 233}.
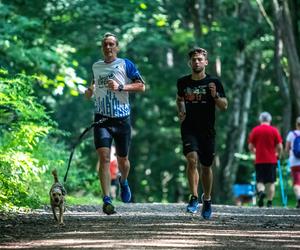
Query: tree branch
{"x": 264, "y": 14}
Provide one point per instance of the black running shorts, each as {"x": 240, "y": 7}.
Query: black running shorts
{"x": 265, "y": 172}
{"x": 204, "y": 145}
{"x": 117, "y": 129}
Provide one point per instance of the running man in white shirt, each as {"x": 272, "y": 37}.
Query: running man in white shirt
{"x": 113, "y": 79}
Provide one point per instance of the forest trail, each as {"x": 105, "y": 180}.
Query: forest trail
{"x": 153, "y": 226}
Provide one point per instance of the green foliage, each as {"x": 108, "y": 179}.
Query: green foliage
{"x": 20, "y": 169}
{"x": 27, "y": 45}
{"x": 31, "y": 147}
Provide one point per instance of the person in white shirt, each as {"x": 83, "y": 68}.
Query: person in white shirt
{"x": 293, "y": 160}
{"x": 114, "y": 78}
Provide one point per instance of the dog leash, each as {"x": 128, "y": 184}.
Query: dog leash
{"x": 79, "y": 140}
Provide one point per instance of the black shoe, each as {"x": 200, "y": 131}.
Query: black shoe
{"x": 269, "y": 204}
{"x": 298, "y": 204}
{"x": 260, "y": 195}
{"x": 108, "y": 207}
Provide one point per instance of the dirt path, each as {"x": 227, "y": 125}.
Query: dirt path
{"x": 154, "y": 226}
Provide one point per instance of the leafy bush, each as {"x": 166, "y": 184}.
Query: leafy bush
{"x": 31, "y": 146}
{"x": 24, "y": 126}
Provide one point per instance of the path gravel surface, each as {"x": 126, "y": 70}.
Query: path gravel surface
{"x": 153, "y": 226}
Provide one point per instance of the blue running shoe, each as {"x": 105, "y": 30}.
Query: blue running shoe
{"x": 193, "y": 205}
{"x": 108, "y": 207}
{"x": 125, "y": 191}
{"x": 206, "y": 208}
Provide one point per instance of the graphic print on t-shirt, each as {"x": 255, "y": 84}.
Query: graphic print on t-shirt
{"x": 196, "y": 94}
{"x": 102, "y": 80}
{"x": 113, "y": 103}
{"x": 109, "y": 104}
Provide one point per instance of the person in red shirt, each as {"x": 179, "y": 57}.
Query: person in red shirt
{"x": 114, "y": 171}
{"x": 265, "y": 142}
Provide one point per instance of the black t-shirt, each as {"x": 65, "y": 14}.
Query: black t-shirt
{"x": 199, "y": 104}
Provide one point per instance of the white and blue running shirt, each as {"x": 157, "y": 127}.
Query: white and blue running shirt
{"x": 113, "y": 103}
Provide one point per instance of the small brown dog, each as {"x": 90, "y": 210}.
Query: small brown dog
{"x": 57, "y": 198}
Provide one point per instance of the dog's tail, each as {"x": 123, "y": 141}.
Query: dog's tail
{"x": 54, "y": 173}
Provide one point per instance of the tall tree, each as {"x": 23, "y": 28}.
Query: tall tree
{"x": 240, "y": 105}
{"x": 193, "y": 7}
{"x": 285, "y": 24}
{"x": 279, "y": 72}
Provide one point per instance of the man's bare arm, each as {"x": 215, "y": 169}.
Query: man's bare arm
{"x": 251, "y": 148}
{"x": 279, "y": 149}
{"x": 180, "y": 107}
{"x": 287, "y": 147}
{"x": 135, "y": 86}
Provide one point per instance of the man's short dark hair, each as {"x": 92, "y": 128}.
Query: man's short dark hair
{"x": 196, "y": 50}
{"x": 107, "y": 34}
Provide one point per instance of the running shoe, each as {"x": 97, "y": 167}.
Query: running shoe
{"x": 108, "y": 207}
{"x": 261, "y": 195}
{"x": 193, "y": 205}
{"x": 125, "y": 191}
{"x": 206, "y": 208}
{"x": 298, "y": 204}
{"x": 269, "y": 204}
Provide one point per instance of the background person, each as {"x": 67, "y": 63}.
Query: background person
{"x": 294, "y": 161}
{"x": 266, "y": 143}
{"x": 197, "y": 96}
{"x": 113, "y": 79}
{"x": 114, "y": 171}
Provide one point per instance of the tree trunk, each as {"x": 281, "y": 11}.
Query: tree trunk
{"x": 194, "y": 9}
{"x": 288, "y": 37}
{"x": 280, "y": 77}
{"x": 295, "y": 17}
{"x": 247, "y": 102}
{"x": 238, "y": 125}
{"x": 228, "y": 169}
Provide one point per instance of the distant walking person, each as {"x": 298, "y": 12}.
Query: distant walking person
{"x": 197, "y": 96}
{"x": 292, "y": 147}
{"x": 266, "y": 143}
{"x": 114, "y": 79}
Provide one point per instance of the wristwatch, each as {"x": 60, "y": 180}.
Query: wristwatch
{"x": 120, "y": 87}
{"x": 217, "y": 96}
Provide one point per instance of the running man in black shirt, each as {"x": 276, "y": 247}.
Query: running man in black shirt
{"x": 197, "y": 96}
